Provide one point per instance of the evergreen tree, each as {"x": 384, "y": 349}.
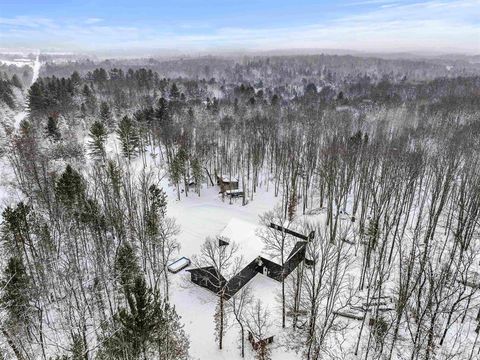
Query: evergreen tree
{"x": 128, "y": 134}
{"x": 90, "y": 100}
{"x": 162, "y": 113}
{"x": 106, "y": 115}
{"x": 98, "y": 135}
{"x": 174, "y": 92}
{"x": 77, "y": 348}
{"x": 146, "y": 328}
{"x": 36, "y": 99}
{"x": 16, "y": 81}
{"x": 157, "y": 210}
{"x": 15, "y": 228}
{"x": 16, "y": 295}
{"x": 170, "y": 337}
{"x": 52, "y": 128}
{"x": 197, "y": 173}
{"x": 70, "y": 188}
{"x": 6, "y": 93}
{"x": 126, "y": 268}
{"x": 75, "y": 78}
{"x": 177, "y": 168}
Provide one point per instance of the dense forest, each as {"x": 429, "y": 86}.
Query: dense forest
{"x": 380, "y": 157}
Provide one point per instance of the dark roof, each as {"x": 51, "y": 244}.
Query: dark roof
{"x": 291, "y": 232}
{"x": 210, "y": 270}
{"x": 299, "y": 246}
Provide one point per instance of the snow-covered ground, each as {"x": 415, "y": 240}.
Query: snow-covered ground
{"x": 204, "y": 216}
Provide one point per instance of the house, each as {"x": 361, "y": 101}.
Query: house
{"x": 258, "y": 262}
{"x": 227, "y": 183}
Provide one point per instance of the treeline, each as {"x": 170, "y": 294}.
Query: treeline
{"x": 279, "y": 70}
{"x": 125, "y": 92}
{"x": 7, "y": 85}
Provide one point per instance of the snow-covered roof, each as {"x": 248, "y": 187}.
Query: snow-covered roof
{"x": 250, "y": 245}
{"x": 179, "y": 264}
{"x": 243, "y": 233}
{"x": 234, "y": 192}
{"x": 227, "y": 178}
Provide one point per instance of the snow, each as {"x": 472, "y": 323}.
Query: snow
{"x": 16, "y": 62}
{"x": 35, "y": 64}
{"x": 36, "y": 69}
{"x": 179, "y": 264}
{"x": 208, "y": 215}
{"x": 200, "y": 217}
{"x": 233, "y": 192}
{"x": 228, "y": 179}
{"x": 243, "y": 233}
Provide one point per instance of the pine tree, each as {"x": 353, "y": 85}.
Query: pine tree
{"x": 98, "y": 135}
{"x": 16, "y": 81}
{"x": 133, "y": 325}
{"x": 197, "y": 173}
{"x": 70, "y": 188}
{"x": 106, "y": 115}
{"x": 77, "y": 348}
{"x": 171, "y": 338}
{"x": 90, "y": 100}
{"x": 16, "y": 295}
{"x": 15, "y": 228}
{"x": 75, "y": 78}
{"x": 114, "y": 174}
{"x": 157, "y": 211}
{"x": 174, "y": 92}
{"x": 126, "y": 268}
{"x": 177, "y": 169}
{"x": 162, "y": 113}
{"x": 52, "y": 128}
{"x": 128, "y": 135}
{"x": 146, "y": 328}
{"x": 36, "y": 97}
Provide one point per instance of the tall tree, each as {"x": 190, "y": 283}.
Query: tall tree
{"x": 127, "y": 133}
{"x": 98, "y": 135}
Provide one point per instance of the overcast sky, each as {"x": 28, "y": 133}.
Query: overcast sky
{"x": 366, "y": 25}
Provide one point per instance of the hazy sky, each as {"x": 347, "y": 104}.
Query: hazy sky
{"x": 370, "y": 25}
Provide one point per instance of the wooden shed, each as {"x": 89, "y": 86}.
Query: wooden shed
{"x": 227, "y": 183}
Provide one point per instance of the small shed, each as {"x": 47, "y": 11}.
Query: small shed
{"x": 257, "y": 344}
{"x": 227, "y": 183}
